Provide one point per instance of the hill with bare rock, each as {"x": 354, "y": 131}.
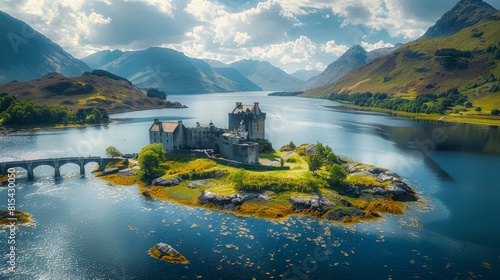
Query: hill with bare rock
{"x": 97, "y": 89}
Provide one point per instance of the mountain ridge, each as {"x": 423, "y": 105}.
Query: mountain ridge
{"x": 464, "y": 14}
{"x": 267, "y": 76}
{"x": 27, "y": 54}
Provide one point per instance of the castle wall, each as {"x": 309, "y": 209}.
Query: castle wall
{"x": 164, "y": 138}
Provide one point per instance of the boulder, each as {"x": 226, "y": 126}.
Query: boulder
{"x": 109, "y": 171}
{"x": 315, "y": 203}
{"x": 379, "y": 191}
{"x": 401, "y": 192}
{"x": 383, "y": 177}
{"x": 346, "y": 203}
{"x": 197, "y": 184}
{"x": 351, "y": 168}
{"x": 338, "y": 214}
{"x": 225, "y": 202}
{"x": 165, "y": 252}
{"x": 166, "y": 182}
{"x": 352, "y": 191}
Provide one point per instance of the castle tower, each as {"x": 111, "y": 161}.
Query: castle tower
{"x": 250, "y": 117}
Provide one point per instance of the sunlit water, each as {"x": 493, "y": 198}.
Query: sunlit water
{"x": 87, "y": 229}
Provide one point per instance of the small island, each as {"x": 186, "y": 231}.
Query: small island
{"x": 317, "y": 183}
{"x": 165, "y": 252}
{"x": 236, "y": 170}
{"x": 22, "y": 218}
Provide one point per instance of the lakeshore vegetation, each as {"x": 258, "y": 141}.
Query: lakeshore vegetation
{"x": 314, "y": 170}
{"x": 24, "y": 112}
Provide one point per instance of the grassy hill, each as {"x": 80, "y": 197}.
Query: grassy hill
{"x": 468, "y": 61}
{"x": 97, "y": 89}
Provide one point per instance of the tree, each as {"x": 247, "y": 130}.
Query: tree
{"x": 495, "y": 112}
{"x": 97, "y": 115}
{"x": 113, "y": 152}
{"x": 149, "y": 163}
{"x": 292, "y": 145}
{"x": 337, "y": 175}
{"x": 315, "y": 162}
{"x": 156, "y": 149}
{"x": 478, "y": 109}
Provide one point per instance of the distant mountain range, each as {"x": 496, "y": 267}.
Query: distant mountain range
{"x": 267, "y": 76}
{"x": 26, "y": 54}
{"x": 98, "y": 89}
{"x": 306, "y": 75}
{"x": 354, "y": 58}
{"x": 166, "y": 69}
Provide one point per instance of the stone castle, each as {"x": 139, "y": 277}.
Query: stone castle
{"x": 246, "y": 122}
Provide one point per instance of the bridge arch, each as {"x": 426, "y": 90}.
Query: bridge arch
{"x": 56, "y": 163}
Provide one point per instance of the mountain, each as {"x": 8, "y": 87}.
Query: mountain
{"x": 354, "y": 58}
{"x": 101, "y": 58}
{"x": 267, "y": 76}
{"x": 468, "y": 60}
{"x": 215, "y": 63}
{"x": 97, "y": 89}
{"x": 305, "y": 75}
{"x": 233, "y": 75}
{"x": 166, "y": 69}
{"x": 464, "y": 14}
{"x": 26, "y": 54}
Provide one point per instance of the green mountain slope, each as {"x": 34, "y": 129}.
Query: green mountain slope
{"x": 99, "y": 89}
{"x": 465, "y": 60}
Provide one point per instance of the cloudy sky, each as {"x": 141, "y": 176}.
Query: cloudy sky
{"x": 291, "y": 34}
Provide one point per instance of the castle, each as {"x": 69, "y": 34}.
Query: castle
{"x": 246, "y": 122}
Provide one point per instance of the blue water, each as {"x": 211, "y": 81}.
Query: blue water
{"x": 87, "y": 229}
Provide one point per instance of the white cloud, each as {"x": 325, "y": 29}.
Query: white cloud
{"x": 320, "y": 66}
{"x": 332, "y": 48}
{"x": 241, "y": 38}
{"x": 380, "y": 44}
{"x": 164, "y": 6}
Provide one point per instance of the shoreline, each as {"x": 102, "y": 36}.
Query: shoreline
{"x": 450, "y": 118}
{"x": 483, "y": 120}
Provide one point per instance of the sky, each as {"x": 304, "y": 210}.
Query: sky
{"x": 291, "y": 34}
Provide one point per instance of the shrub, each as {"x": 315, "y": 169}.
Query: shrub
{"x": 495, "y": 112}
{"x": 478, "y": 109}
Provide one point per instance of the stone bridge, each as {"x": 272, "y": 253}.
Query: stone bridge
{"x": 56, "y": 163}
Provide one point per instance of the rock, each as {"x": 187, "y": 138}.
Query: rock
{"x": 225, "y": 202}
{"x": 376, "y": 170}
{"x": 109, "y": 171}
{"x": 379, "y": 191}
{"x": 338, "y": 214}
{"x": 352, "y": 191}
{"x": 383, "y": 177}
{"x": 401, "y": 192}
{"x": 346, "y": 203}
{"x": 264, "y": 196}
{"x": 197, "y": 184}
{"x": 166, "y": 182}
{"x": 300, "y": 204}
{"x": 351, "y": 168}
{"x": 311, "y": 150}
{"x": 165, "y": 252}
{"x": 316, "y": 203}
